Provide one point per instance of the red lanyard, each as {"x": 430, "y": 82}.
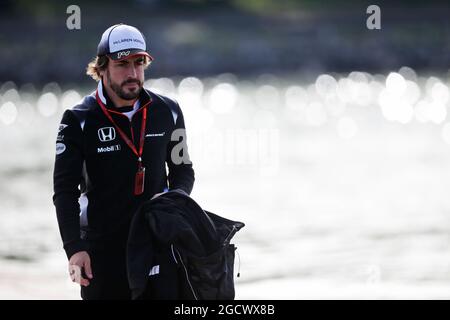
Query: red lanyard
{"x": 122, "y": 134}
{"x": 140, "y": 175}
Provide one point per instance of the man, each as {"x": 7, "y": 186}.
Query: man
{"x": 111, "y": 156}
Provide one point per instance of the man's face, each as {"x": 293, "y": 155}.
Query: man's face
{"x": 125, "y": 77}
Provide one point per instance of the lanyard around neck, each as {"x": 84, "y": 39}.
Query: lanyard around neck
{"x": 122, "y": 134}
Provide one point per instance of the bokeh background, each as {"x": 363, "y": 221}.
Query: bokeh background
{"x": 329, "y": 140}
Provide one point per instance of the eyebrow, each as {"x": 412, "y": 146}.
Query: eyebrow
{"x": 140, "y": 59}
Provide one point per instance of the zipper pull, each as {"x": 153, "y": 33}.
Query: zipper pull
{"x": 239, "y": 264}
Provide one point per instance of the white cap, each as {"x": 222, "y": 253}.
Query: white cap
{"x": 122, "y": 41}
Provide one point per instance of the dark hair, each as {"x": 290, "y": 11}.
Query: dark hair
{"x": 95, "y": 66}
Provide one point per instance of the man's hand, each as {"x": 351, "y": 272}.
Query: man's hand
{"x": 77, "y": 263}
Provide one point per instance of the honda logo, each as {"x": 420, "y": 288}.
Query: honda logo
{"x": 106, "y": 134}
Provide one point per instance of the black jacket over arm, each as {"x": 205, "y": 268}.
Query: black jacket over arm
{"x": 189, "y": 247}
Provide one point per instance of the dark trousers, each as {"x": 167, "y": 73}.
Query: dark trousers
{"x": 109, "y": 272}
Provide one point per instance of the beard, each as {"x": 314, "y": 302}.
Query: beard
{"x": 125, "y": 94}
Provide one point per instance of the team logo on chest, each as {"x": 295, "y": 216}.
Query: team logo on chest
{"x": 106, "y": 134}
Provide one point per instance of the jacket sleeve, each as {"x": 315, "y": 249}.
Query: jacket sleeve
{"x": 181, "y": 174}
{"x": 67, "y": 176}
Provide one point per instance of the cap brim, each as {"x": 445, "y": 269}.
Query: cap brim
{"x": 126, "y": 54}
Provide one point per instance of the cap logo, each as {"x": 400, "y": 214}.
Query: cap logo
{"x": 123, "y": 54}
{"x": 128, "y": 40}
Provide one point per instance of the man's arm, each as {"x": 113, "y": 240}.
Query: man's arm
{"x": 66, "y": 179}
{"x": 181, "y": 173}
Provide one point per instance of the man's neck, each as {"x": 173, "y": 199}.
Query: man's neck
{"x": 116, "y": 100}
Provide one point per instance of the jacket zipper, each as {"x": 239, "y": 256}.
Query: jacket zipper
{"x": 173, "y": 254}
{"x": 186, "y": 273}
{"x": 227, "y": 241}
{"x": 130, "y": 120}
{"x": 228, "y": 238}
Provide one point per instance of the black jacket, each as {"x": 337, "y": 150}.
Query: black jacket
{"x": 176, "y": 250}
{"x": 95, "y": 170}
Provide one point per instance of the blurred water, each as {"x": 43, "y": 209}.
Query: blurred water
{"x": 341, "y": 182}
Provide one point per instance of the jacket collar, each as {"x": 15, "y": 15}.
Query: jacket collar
{"x": 144, "y": 98}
